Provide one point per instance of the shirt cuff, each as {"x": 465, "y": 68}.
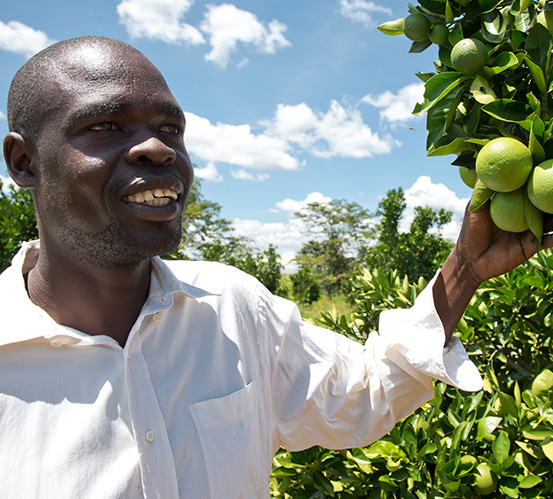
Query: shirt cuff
{"x": 414, "y": 340}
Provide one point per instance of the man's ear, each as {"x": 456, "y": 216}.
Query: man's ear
{"x": 20, "y": 160}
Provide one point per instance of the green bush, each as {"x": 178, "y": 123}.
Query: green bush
{"x": 497, "y": 442}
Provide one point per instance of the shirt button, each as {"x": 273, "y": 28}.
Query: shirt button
{"x": 162, "y": 299}
{"x": 150, "y": 436}
{"x": 156, "y": 318}
{"x": 56, "y": 343}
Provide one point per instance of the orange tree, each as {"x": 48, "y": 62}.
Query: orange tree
{"x": 493, "y": 79}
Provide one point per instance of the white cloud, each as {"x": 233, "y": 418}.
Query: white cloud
{"x": 2, "y": 116}
{"x": 397, "y": 108}
{"x": 425, "y": 193}
{"x": 237, "y": 145}
{"x": 362, "y": 10}
{"x": 293, "y": 130}
{"x": 21, "y": 39}
{"x": 338, "y": 132}
{"x": 208, "y": 173}
{"x": 288, "y": 237}
{"x": 226, "y": 26}
{"x": 246, "y": 175}
{"x": 159, "y": 20}
{"x": 292, "y": 206}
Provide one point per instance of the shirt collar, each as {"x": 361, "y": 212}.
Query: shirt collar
{"x": 22, "y": 320}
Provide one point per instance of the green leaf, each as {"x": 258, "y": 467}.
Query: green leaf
{"x": 456, "y": 34}
{"x": 446, "y": 146}
{"x": 547, "y": 448}
{"x": 508, "y": 405}
{"x": 486, "y": 426}
{"x": 392, "y": 28}
{"x": 503, "y": 62}
{"x": 501, "y": 447}
{"x": 534, "y": 219}
{"x": 538, "y": 45}
{"x": 529, "y": 482}
{"x": 538, "y": 434}
{"x": 417, "y": 47}
{"x": 543, "y": 384}
{"x": 508, "y": 110}
{"x": 480, "y": 195}
{"x": 523, "y": 21}
{"x": 437, "y": 88}
{"x": 537, "y": 75}
{"x": 323, "y": 483}
{"x": 482, "y": 91}
{"x": 448, "y": 13}
{"x": 494, "y": 26}
{"x": 537, "y": 150}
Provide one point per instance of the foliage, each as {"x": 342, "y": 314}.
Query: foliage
{"x": 441, "y": 450}
{"x": 17, "y": 222}
{"x": 510, "y": 96}
{"x": 338, "y": 229}
{"x": 418, "y": 252}
{"x": 305, "y": 288}
{"x": 264, "y": 265}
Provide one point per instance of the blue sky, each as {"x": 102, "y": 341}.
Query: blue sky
{"x": 286, "y": 101}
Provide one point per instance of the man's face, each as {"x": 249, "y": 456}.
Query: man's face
{"x": 114, "y": 174}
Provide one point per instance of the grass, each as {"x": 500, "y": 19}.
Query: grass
{"x": 326, "y": 304}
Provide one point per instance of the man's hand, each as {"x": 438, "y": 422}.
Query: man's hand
{"x": 482, "y": 251}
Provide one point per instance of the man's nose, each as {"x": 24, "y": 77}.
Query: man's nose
{"x": 151, "y": 150}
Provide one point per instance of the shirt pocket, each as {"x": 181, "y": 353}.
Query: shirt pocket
{"x": 228, "y": 428}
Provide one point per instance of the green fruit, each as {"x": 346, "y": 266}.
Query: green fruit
{"x": 469, "y": 56}
{"x": 485, "y": 481}
{"x": 507, "y": 210}
{"x": 439, "y": 34}
{"x": 504, "y": 164}
{"x": 468, "y": 176}
{"x": 416, "y": 27}
{"x": 540, "y": 186}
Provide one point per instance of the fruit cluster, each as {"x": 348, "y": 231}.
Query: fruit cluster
{"x": 490, "y": 100}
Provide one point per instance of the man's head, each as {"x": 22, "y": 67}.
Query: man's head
{"x": 94, "y": 133}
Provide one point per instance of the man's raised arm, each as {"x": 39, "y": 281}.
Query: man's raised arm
{"x": 482, "y": 251}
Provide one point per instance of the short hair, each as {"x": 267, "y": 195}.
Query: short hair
{"x": 27, "y": 102}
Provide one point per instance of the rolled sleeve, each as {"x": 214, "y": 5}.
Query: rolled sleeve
{"x": 334, "y": 392}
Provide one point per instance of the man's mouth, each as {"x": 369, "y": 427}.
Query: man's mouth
{"x": 153, "y": 197}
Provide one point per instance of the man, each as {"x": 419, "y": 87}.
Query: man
{"x": 123, "y": 376}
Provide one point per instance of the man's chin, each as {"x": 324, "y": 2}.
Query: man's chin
{"x": 118, "y": 248}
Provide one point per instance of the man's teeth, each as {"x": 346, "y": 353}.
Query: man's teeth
{"x": 155, "y": 197}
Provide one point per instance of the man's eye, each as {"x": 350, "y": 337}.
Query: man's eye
{"x": 175, "y": 129}
{"x": 105, "y": 126}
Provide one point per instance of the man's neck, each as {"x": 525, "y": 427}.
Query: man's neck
{"x": 96, "y": 301}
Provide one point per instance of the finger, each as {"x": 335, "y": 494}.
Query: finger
{"x": 547, "y": 241}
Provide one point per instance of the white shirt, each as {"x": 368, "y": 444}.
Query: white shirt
{"x": 216, "y": 374}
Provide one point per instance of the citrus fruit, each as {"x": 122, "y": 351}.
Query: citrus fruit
{"x": 439, "y": 34}
{"x": 540, "y": 186}
{"x": 507, "y": 210}
{"x": 416, "y": 27}
{"x": 485, "y": 481}
{"x": 468, "y": 176}
{"x": 504, "y": 164}
{"x": 469, "y": 56}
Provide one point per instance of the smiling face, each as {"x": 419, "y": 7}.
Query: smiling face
{"x": 113, "y": 174}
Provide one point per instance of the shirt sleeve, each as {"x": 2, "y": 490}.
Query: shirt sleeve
{"x": 331, "y": 391}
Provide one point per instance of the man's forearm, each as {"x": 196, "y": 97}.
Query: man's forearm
{"x": 453, "y": 289}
